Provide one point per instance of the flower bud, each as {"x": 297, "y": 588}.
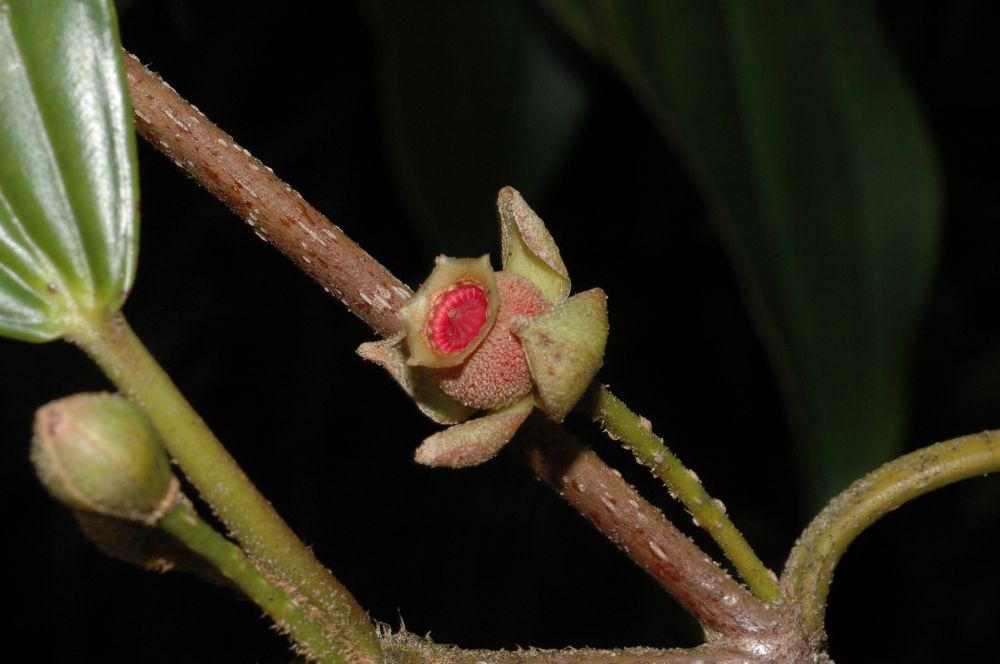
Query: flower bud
{"x": 98, "y": 453}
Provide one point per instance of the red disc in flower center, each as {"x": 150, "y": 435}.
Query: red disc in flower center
{"x": 457, "y": 317}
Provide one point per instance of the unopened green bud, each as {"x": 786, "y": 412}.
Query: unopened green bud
{"x": 98, "y": 453}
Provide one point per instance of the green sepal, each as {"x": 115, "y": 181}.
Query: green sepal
{"x": 418, "y": 382}
{"x": 68, "y": 173}
{"x": 565, "y": 349}
{"x": 528, "y": 249}
{"x": 476, "y": 441}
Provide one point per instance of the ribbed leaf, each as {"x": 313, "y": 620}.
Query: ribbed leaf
{"x": 68, "y": 184}
{"x": 817, "y": 167}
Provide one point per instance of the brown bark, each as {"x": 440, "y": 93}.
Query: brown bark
{"x": 577, "y": 474}
{"x": 275, "y": 211}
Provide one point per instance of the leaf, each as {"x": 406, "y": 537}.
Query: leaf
{"x": 576, "y": 20}
{"x": 473, "y": 96}
{"x": 819, "y": 172}
{"x": 68, "y": 174}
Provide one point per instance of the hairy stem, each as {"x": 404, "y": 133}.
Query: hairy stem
{"x": 310, "y": 634}
{"x": 636, "y": 433}
{"x": 600, "y": 494}
{"x": 405, "y": 648}
{"x": 223, "y": 484}
{"x": 809, "y": 570}
{"x": 276, "y": 212}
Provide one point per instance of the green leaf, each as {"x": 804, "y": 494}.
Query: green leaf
{"x": 68, "y": 174}
{"x": 818, "y": 170}
{"x": 574, "y": 15}
{"x": 473, "y": 96}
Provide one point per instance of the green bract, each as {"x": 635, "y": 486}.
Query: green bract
{"x": 565, "y": 348}
{"x": 68, "y": 183}
{"x": 528, "y": 248}
{"x": 476, "y": 441}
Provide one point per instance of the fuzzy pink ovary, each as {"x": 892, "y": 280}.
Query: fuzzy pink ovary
{"x": 497, "y": 372}
{"x": 457, "y": 318}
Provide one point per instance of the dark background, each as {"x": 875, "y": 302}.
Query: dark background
{"x": 488, "y": 557}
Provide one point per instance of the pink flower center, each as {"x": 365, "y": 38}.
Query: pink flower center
{"x": 457, "y": 317}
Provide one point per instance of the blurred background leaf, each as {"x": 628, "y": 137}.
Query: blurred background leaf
{"x": 819, "y": 174}
{"x": 68, "y": 186}
{"x": 473, "y": 97}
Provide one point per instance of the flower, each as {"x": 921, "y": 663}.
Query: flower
{"x": 504, "y": 342}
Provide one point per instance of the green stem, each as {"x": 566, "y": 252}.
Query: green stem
{"x": 311, "y": 636}
{"x": 251, "y": 519}
{"x": 405, "y": 648}
{"x": 811, "y": 563}
{"x": 637, "y": 434}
